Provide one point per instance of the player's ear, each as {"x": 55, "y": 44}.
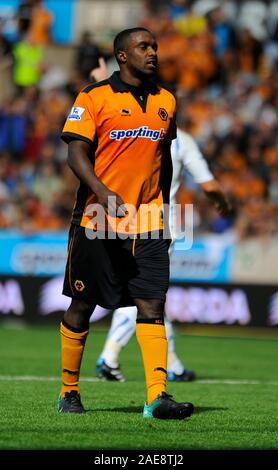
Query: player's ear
{"x": 122, "y": 57}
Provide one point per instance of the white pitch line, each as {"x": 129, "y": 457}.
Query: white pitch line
{"x": 37, "y": 378}
{"x": 237, "y": 382}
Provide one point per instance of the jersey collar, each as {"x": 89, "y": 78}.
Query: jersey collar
{"x": 119, "y": 86}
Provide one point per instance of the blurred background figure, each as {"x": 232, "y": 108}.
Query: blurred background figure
{"x": 87, "y": 55}
{"x": 5, "y": 45}
{"x": 24, "y": 14}
{"x": 41, "y": 22}
{"x": 34, "y": 18}
{"x": 28, "y": 62}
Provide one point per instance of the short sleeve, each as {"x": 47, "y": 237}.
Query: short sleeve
{"x": 80, "y": 123}
{"x": 172, "y": 133}
{"x": 172, "y": 130}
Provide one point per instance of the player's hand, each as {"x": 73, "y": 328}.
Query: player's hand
{"x": 100, "y": 72}
{"x": 111, "y": 202}
{"x": 223, "y": 207}
{"x": 219, "y": 199}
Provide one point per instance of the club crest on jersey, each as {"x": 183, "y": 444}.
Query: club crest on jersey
{"x": 76, "y": 113}
{"x": 141, "y": 132}
{"x": 162, "y": 113}
{"x": 125, "y": 112}
{"x": 79, "y": 285}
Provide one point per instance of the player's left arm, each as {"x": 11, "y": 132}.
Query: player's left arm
{"x": 166, "y": 159}
{"x": 166, "y": 173}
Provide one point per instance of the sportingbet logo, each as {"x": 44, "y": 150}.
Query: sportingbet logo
{"x": 76, "y": 113}
{"x": 143, "y": 132}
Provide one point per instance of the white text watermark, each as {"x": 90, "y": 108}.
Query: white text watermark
{"x": 151, "y": 221}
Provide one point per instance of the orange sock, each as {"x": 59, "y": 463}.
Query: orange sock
{"x": 72, "y": 350}
{"x": 153, "y": 343}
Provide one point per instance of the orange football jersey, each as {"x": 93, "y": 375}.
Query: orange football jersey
{"x": 127, "y": 134}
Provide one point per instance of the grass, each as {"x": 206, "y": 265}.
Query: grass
{"x": 228, "y": 415}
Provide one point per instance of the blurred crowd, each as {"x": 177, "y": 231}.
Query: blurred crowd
{"x": 225, "y": 76}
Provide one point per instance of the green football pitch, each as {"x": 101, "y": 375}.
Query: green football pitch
{"x": 235, "y": 394}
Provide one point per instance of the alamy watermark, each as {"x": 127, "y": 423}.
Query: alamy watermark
{"x": 146, "y": 221}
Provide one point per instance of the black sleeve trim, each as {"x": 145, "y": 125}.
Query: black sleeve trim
{"x": 70, "y": 136}
{"x": 90, "y": 87}
{"x": 172, "y": 89}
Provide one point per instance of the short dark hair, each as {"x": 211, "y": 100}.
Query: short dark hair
{"x": 121, "y": 38}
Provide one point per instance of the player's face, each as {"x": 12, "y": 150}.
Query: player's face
{"x": 141, "y": 55}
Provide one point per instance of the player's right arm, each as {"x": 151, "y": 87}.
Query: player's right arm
{"x": 81, "y": 166}
{"x": 79, "y": 133}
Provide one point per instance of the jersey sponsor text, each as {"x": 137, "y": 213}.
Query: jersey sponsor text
{"x": 143, "y": 132}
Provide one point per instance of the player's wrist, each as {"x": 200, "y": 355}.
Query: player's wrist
{"x": 97, "y": 187}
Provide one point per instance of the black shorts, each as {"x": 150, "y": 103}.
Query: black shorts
{"x": 111, "y": 273}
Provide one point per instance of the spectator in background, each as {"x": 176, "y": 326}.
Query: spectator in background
{"x": 273, "y": 187}
{"x": 249, "y": 52}
{"x": 271, "y": 47}
{"x": 224, "y": 40}
{"x": 28, "y": 62}
{"x": 177, "y": 8}
{"x": 87, "y": 55}
{"x": 47, "y": 183}
{"x": 23, "y": 16}
{"x": 13, "y": 123}
{"x": 155, "y": 6}
{"x": 190, "y": 23}
{"x": 5, "y": 46}
{"x": 224, "y": 35}
{"x": 41, "y": 22}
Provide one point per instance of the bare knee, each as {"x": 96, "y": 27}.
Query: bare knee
{"x": 149, "y": 308}
{"x": 78, "y": 314}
